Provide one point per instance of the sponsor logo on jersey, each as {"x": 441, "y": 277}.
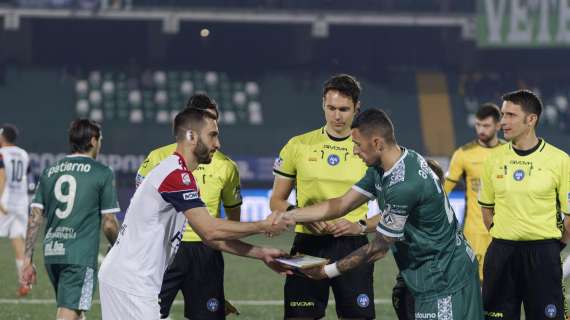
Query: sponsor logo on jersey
{"x": 277, "y": 164}
{"x": 518, "y": 175}
{"x": 212, "y": 304}
{"x": 550, "y": 311}
{"x": 333, "y": 160}
{"x": 186, "y": 178}
{"x": 362, "y": 300}
{"x": 190, "y": 195}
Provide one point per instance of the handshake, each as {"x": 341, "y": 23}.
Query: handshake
{"x": 277, "y": 222}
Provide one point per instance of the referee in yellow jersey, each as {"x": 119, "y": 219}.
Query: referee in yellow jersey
{"x": 320, "y": 165}
{"x": 197, "y": 269}
{"x": 524, "y": 186}
{"x": 467, "y": 162}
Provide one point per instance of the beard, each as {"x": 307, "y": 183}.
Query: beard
{"x": 202, "y": 153}
{"x": 486, "y": 138}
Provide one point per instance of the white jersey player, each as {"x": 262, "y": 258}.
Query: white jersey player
{"x": 14, "y": 164}
{"x": 131, "y": 275}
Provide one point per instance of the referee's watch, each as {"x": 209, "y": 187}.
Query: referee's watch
{"x": 362, "y": 225}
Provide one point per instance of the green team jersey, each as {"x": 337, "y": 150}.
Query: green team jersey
{"x": 73, "y": 193}
{"x": 431, "y": 253}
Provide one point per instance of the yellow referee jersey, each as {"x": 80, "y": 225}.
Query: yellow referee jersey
{"x": 526, "y": 192}
{"x": 467, "y": 162}
{"x": 218, "y": 182}
{"x": 323, "y": 167}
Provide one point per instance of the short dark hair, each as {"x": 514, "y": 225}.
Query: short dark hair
{"x": 80, "y": 133}
{"x": 9, "y": 132}
{"x": 489, "y": 110}
{"x": 375, "y": 121}
{"x": 346, "y": 84}
{"x": 529, "y": 102}
{"x": 189, "y": 118}
{"x": 203, "y": 102}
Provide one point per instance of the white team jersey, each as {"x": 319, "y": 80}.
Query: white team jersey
{"x": 16, "y": 162}
{"x": 152, "y": 229}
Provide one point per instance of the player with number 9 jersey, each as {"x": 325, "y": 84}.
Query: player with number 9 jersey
{"x": 73, "y": 194}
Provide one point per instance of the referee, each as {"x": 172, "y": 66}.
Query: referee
{"x": 524, "y": 186}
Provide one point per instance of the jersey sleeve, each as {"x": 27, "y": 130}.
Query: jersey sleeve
{"x": 108, "y": 201}
{"x": 366, "y": 185}
{"x": 285, "y": 165}
{"x": 148, "y": 164}
{"x": 397, "y": 210}
{"x": 564, "y": 189}
{"x": 179, "y": 189}
{"x": 231, "y": 191}
{"x": 486, "y": 197}
{"x": 38, "y": 198}
{"x": 455, "y": 171}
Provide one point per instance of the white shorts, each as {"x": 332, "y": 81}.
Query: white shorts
{"x": 14, "y": 224}
{"x": 117, "y": 304}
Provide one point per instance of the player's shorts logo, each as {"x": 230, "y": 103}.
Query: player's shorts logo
{"x": 362, "y": 300}
{"x": 518, "y": 175}
{"x": 550, "y": 311}
{"x": 213, "y": 304}
{"x": 333, "y": 159}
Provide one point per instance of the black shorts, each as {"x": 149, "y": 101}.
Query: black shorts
{"x": 527, "y": 272}
{"x": 402, "y": 300}
{"x": 198, "y": 271}
{"x": 353, "y": 291}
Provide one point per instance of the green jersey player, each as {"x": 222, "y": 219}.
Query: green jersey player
{"x": 416, "y": 222}
{"x": 76, "y": 196}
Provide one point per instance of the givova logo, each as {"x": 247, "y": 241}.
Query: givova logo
{"x": 190, "y": 195}
{"x": 302, "y": 304}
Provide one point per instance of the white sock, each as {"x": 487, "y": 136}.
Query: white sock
{"x": 19, "y": 264}
{"x": 566, "y": 268}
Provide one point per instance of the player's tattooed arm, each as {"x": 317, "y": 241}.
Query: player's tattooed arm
{"x": 34, "y": 223}
{"x": 369, "y": 253}
{"x": 110, "y": 227}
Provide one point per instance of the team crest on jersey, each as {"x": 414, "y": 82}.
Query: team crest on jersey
{"x": 518, "y": 175}
{"x": 550, "y": 311}
{"x": 212, "y": 304}
{"x": 333, "y": 160}
{"x": 186, "y": 178}
{"x": 362, "y": 300}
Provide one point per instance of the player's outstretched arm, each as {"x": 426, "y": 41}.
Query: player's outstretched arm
{"x": 210, "y": 228}
{"x": 110, "y": 227}
{"x": 327, "y": 210}
{"x": 368, "y": 253}
{"x": 243, "y": 249}
{"x": 28, "y": 274}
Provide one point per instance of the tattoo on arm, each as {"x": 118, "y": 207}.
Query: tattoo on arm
{"x": 369, "y": 253}
{"x": 34, "y": 224}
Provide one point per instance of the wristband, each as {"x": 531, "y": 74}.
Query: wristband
{"x": 331, "y": 270}
{"x": 291, "y": 207}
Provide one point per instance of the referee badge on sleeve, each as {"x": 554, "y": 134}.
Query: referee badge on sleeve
{"x": 277, "y": 164}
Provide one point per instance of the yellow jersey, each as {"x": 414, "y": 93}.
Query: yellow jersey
{"x": 323, "y": 167}
{"x": 218, "y": 182}
{"x": 467, "y": 162}
{"x": 527, "y": 192}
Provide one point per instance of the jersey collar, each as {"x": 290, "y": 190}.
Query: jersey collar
{"x": 404, "y": 154}
{"x": 181, "y": 161}
{"x": 324, "y": 131}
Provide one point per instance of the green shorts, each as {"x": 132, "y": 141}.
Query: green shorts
{"x": 74, "y": 285}
{"x": 465, "y": 304}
